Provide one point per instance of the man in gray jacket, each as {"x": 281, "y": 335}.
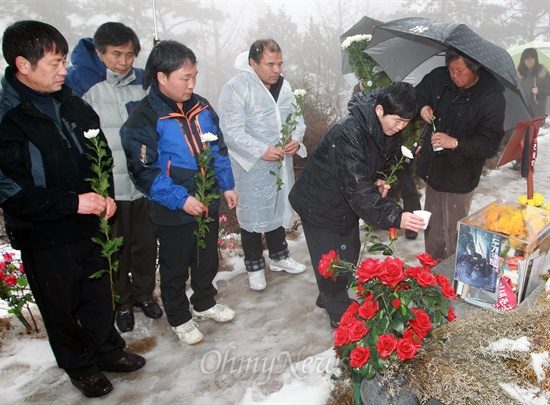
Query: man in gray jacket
{"x": 103, "y": 74}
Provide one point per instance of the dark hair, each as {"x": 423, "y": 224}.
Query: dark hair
{"x": 529, "y": 53}
{"x": 115, "y": 34}
{"x": 453, "y": 54}
{"x": 258, "y": 47}
{"x": 166, "y": 57}
{"x": 31, "y": 40}
{"x": 398, "y": 98}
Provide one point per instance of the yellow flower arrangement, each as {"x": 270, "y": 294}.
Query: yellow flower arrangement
{"x": 517, "y": 221}
{"x": 536, "y": 201}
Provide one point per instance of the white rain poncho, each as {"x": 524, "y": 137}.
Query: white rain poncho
{"x": 251, "y": 122}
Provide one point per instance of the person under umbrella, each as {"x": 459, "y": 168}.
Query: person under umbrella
{"x": 468, "y": 105}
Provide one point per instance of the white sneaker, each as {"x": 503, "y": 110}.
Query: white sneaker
{"x": 289, "y": 265}
{"x": 188, "y": 332}
{"x": 256, "y": 280}
{"x": 219, "y": 313}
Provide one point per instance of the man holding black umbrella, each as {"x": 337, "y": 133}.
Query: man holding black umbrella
{"x": 468, "y": 105}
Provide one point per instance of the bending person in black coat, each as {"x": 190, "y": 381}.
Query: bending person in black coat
{"x": 340, "y": 184}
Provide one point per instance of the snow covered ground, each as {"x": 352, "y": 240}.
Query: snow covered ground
{"x": 276, "y": 351}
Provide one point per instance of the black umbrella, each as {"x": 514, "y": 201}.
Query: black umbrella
{"x": 408, "y": 48}
{"x": 364, "y": 26}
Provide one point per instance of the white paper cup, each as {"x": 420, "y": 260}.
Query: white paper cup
{"x": 425, "y": 216}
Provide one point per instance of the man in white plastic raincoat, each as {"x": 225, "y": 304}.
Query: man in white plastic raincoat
{"x": 252, "y": 107}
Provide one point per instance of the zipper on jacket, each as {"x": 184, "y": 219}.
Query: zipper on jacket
{"x": 65, "y": 139}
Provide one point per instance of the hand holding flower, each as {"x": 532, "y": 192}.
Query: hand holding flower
{"x": 291, "y": 147}
{"x": 193, "y": 206}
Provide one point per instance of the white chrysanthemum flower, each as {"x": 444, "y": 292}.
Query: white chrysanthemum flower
{"x": 355, "y": 38}
{"x": 369, "y": 83}
{"x": 91, "y": 133}
{"x": 299, "y": 92}
{"x": 209, "y": 137}
{"x": 406, "y": 152}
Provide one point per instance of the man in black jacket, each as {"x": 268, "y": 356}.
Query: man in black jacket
{"x": 340, "y": 184}
{"x": 468, "y": 105}
{"x": 54, "y": 215}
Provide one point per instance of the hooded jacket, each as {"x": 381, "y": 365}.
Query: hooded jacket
{"x": 474, "y": 116}
{"x": 47, "y": 161}
{"x": 251, "y": 120}
{"x": 337, "y": 185}
{"x": 113, "y": 96}
{"x": 161, "y": 144}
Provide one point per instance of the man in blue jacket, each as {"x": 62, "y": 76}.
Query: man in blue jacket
{"x": 103, "y": 74}
{"x": 55, "y": 214}
{"x": 165, "y": 140}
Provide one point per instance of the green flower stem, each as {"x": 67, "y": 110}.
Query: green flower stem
{"x": 286, "y": 136}
{"x": 101, "y": 167}
{"x": 204, "y": 179}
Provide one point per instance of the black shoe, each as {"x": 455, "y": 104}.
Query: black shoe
{"x": 151, "y": 309}
{"x": 128, "y": 363}
{"x": 319, "y": 302}
{"x": 125, "y": 320}
{"x": 93, "y": 386}
{"x": 411, "y": 234}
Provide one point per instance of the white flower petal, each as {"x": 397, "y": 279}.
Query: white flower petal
{"x": 91, "y": 133}
{"x": 209, "y": 137}
{"x": 406, "y": 152}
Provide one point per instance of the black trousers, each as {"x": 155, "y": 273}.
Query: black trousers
{"x": 409, "y": 194}
{"x": 77, "y": 310}
{"x": 178, "y": 251}
{"x": 138, "y": 255}
{"x": 253, "y": 248}
{"x": 320, "y": 241}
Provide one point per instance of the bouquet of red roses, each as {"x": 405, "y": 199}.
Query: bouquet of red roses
{"x": 397, "y": 306}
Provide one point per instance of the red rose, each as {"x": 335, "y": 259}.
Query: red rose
{"x": 426, "y": 259}
{"x": 369, "y": 308}
{"x": 411, "y": 334}
{"x": 393, "y": 271}
{"x": 368, "y": 269}
{"x": 362, "y": 291}
{"x": 386, "y": 345}
{"x": 441, "y": 279}
{"x": 359, "y": 356}
{"x": 451, "y": 315}
{"x": 448, "y": 291}
{"x": 413, "y": 271}
{"x": 357, "y": 331}
{"x": 421, "y": 324}
{"x": 8, "y": 257}
{"x": 406, "y": 349}
{"x": 425, "y": 279}
{"x": 325, "y": 264}
{"x": 393, "y": 234}
{"x": 325, "y": 268}
{"x": 10, "y": 280}
{"x": 396, "y": 303}
{"x": 2, "y": 275}
{"x": 353, "y": 307}
{"x": 347, "y": 320}
{"x": 21, "y": 268}
{"x": 341, "y": 336}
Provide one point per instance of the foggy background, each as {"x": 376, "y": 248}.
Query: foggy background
{"x": 307, "y": 31}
